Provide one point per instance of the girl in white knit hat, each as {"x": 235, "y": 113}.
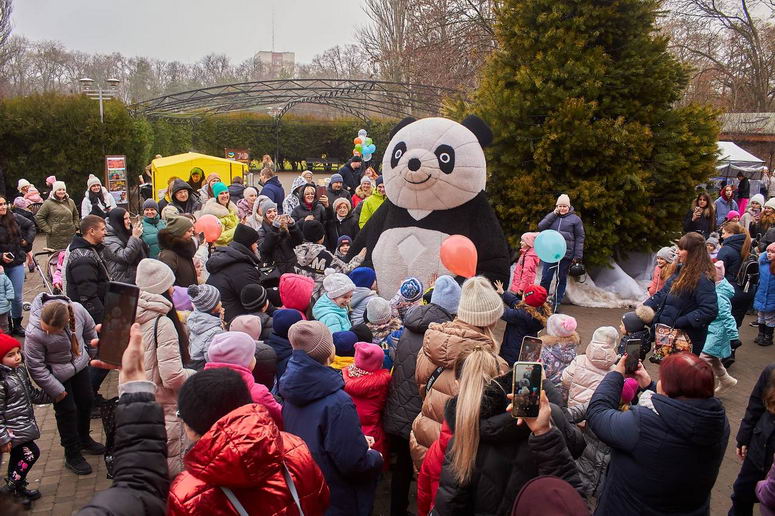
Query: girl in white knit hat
{"x": 559, "y": 347}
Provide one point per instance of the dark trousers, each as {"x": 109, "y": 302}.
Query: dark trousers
{"x": 741, "y": 302}
{"x": 73, "y": 413}
{"x": 21, "y": 460}
{"x": 401, "y": 479}
{"x": 562, "y": 279}
{"x": 744, "y": 489}
{"x": 97, "y": 375}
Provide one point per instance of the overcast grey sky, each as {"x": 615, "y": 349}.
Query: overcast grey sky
{"x": 185, "y": 30}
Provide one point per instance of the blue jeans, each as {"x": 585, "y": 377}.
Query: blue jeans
{"x": 16, "y": 275}
{"x": 562, "y": 279}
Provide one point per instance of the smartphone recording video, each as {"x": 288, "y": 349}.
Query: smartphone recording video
{"x": 120, "y": 309}
{"x": 530, "y": 350}
{"x": 633, "y": 355}
{"x": 526, "y": 389}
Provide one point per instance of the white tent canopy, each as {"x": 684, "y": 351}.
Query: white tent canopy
{"x": 733, "y": 159}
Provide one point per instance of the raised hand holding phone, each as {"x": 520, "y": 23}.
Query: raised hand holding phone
{"x": 120, "y": 309}
{"x": 526, "y": 389}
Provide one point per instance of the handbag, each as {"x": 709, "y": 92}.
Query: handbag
{"x": 668, "y": 340}
{"x": 291, "y": 487}
{"x": 108, "y": 417}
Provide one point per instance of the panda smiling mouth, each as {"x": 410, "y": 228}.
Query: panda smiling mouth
{"x": 418, "y": 182}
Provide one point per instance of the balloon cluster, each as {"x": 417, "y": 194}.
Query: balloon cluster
{"x": 364, "y": 146}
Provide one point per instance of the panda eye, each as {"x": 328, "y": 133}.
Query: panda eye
{"x": 398, "y": 151}
{"x": 446, "y": 156}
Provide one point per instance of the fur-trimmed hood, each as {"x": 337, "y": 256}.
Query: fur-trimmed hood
{"x": 551, "y": 340}
{"x": 183, "y": 246}
{"x": 212, "y": 207}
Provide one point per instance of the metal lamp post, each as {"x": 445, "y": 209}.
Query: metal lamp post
{"x": 96, "y": 91}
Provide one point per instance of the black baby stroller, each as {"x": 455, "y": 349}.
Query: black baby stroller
{"x": 48, "y": 270}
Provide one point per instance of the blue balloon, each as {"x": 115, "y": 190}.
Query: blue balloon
{"x": 550, "y": 246}
{"x": 366, "y": 157}
{"x": 372, "y": 148}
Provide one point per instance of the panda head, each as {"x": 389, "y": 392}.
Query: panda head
{"x": 435, "y": 163}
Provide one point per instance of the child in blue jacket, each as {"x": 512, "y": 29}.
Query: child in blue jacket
{"x": 764, "y": 301}
{"x": 523, "y": 318}
{"x": 721, "y": 332}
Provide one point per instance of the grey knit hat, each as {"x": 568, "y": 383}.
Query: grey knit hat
{"x": 154, "y": 276}
{"x": 150, "y": 203}
{"x": 204, "y": 297}
{"x": 667, "y": 254}
{"x": 267, "y": 204}
{"x": 178, "y": 225}
{"x": 378, "y": 310}
{"x": 312, "y": 337}
{"x": 479, "y": 304}
{"x": 337, "y": 284}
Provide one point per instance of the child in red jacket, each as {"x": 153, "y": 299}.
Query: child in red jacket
{"x": 430, "y": 471}
{"x": 367, "y": 384}
{"x": 527, "y": 263}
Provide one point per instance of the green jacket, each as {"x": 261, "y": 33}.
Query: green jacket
{"x": 59, "y": 220}
{"x": 370, "y": 205}
{"x": 151, "y": 228}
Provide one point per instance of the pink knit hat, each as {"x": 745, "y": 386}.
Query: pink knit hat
{"x": 560, "y": 325}
{"x": 250, "y": 324}
{"x": 368, "y": 356}
{"x": 529, "y": 238}
{"x": 732, "y": 214}
{"x": 629, "y": 390}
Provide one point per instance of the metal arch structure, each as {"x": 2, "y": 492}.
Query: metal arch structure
{"x": 363, "y": 99}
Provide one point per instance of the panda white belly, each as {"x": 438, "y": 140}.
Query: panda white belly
{"x": 404, "y": 252}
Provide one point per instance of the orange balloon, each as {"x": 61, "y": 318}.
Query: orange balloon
{"x": 356, "y": 153}
{"x": 210, "y": 226}
{"x": 459, "y": 256}
{"x": 357, "y": 141}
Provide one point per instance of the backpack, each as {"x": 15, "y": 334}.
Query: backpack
{"x": 748, "y": 275}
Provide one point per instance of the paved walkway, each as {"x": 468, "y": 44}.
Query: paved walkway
{"x": 64, "y": 492}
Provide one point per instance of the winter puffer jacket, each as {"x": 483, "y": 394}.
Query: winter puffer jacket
{"x": 723, "y": 329}
{"x": 59, "y": 220}
{"x": 361, "y": 297}
{"x": 273, "y": 189}
{"x": 86, "y": 276}
{"x": 369, "y": 392}
{"x": 430, "y": 472}
{"x": 313, "y": 260}
{"x": 107, "y": 200}
{"x": 292, "y": 199}
{"x": 369, "y": 207}
{"x": 343, "y": 193}
{"x": 519, "y": 324}
{"x": 226, "y": 215}
{"x": 557, "y": 353}
{"x": 122, "y": 259}
{"x": 277, "y": 247}
{"x": 691, "y": 311}
{"x": 14, "y": 245}
{"x": 331, "y": 314}
{"x": 6, "y": 293}
{"x": 319, "y": 411}
{"x": 164, "y": 367}
{"x": 764, "y": 301}
{"x": 585, "y": 373}
{"x": 296, "y": 292}
{"x": 246, "y": 437}
{"x": 178, "y": 253}
{"x": 723, "y": 207}
{"x": 525, "y": 270}
{"x": 692, "y": 432}
{"x": 140, "y": 478}
{"x": 302, "y": 211}
{"x": 507, "y": 457}
{"x": 441, "y": 346}
{"x": 17, "y": 418}
{"x": 730, "y": 254}
{"x": 757, "y": 428}
{"x": 705, "y": 225}
{"x": 192, "y": 205}
{"x": 49, "y": 357}
{"x": 570, "y": 227}
{"x": 202, "y": 327}
{"x": 258, "y": 392}
{"x": 151, "y": 228}
{"x": 232, "y": 267}
{"x": 404, "y": 402}
{"x": 282, "y": 348}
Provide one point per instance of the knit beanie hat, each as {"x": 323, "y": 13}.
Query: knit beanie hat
{"x": 355, "y": 159}
{"x": 529, "y": 238}
{"x": 534, "y": 295}
{"x": 253, "y": 297}
{"x": 312, "y": 337}
{"x": 283, "y": 319}
{"x": 343, "y": 239}
{"x": 313, "y": 231}
{"x": 22, "y": 184}
{"x": 757, "y": 198}
{"x": 250, "y": 324}
{"x": 266, "y": 205}
{"x": 446, "y": 294}
{"x": 178, "y": 225}
{"x": 667, "y": 254}
{"x": 181, "y": 300}
{"x": 549, "y": 496}
{"x": 363, "y": 276}
{"x": 771, "y": 248}
{"x": 209, "y": 395}
{"x": 169, "y": 211}
{"x": 341, "y": 200}
{"x": 378, "y": 310}
{"x": 479, "y": 304}
{"x": 362, "y": 332}
{"x": 368, "y": 356}
{"x": 219, "y": 188}
{"x": 58, "y": 185}
{"x": 367, "y": 179}
{"x": 561, "y": 325}
{"x": 713, "y": 239}
{"x": 204, "y": 297}
{"x": 93, "y": 180}
{"x": 245, "y": 235}
{"x": 629, "y": 390}
{"x": 150, "y": 203}
{"x": 379, "y": 180}
{"x": 411, "y": 289}
{"x": 154, "y": 276}
{"x": 770, "y": 203}
{"x": 232, "y": 347}
{"x": 732, "y": 214}
{"x": 563, "y": 200}
{"x": 344, "y": 343}
{"x": 337, "y": 284}
{"x": 337, "y": 178}
{"x": 211, "y": 176}
{"x": 632, "y": 322}
{"x": 7, "y": 343}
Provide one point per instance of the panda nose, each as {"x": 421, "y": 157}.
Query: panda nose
{"x": 414, "y": 164}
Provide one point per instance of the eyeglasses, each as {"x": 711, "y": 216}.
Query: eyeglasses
{"x": 3, "y": 204}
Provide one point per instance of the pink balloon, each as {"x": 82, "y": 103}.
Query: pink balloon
{"x": 210, "y": 226}
{"x": 458, "y": 254}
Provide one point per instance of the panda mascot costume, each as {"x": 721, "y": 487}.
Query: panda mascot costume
{"x": 435, "y": 173}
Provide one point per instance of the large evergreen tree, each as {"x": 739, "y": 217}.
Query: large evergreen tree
{"x": 581, "y": 97}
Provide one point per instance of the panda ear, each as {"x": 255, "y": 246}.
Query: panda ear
{"x": 403, "y": 123}
{"x": 480, "y": 128}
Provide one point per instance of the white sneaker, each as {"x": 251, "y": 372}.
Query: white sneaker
{"x": 725, "y": 382}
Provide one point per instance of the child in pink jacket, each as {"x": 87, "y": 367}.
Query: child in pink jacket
{"x": 237, "y": 351}
{"x": 525, "y": 270}
{"x": 662, "y": 270}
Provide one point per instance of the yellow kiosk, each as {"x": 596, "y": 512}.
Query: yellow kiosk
{"x": 180, "y": 165}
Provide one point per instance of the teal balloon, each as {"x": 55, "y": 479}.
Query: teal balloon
{"x": 550, "y": 246}
{"x": 371, "y": 149}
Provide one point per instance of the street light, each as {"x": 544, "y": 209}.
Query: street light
{"x": 98, "y": 93}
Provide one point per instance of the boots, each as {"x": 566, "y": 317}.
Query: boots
{"x": 11, "y": 488}
{"x": 16, "y": 327}
{"x": 92, "y": 447}
{"x": 760, "y": 337}
{"x": 725, "y": 382}
{"x": 767, "y": 339}
{"x": 77, "y": 464}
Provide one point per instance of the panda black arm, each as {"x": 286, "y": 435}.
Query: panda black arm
{"x": 369, "y": 234}
{"x": 491, "y": 246}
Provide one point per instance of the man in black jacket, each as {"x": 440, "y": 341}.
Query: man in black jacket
{"x": 234, "y": 266}
{"x": 351, "y": 174}
{"x": 86, "y": 275}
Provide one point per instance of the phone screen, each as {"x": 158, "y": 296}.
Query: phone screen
{"x": 526, "y": 389}
{"x": 120, "y": 310}
{"x": 531, "y": 350}
{"x": 321, "y": 191}
{"x": 633, "y": 355}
